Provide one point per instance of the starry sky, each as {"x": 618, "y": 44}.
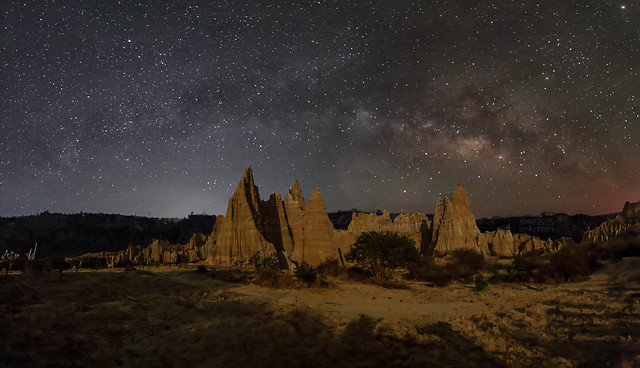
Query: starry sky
{"x": 157, "y": 108}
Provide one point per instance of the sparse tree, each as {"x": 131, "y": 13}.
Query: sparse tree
{"x": 380, "y": 252}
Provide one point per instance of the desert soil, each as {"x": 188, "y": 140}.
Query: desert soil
{"x": 176, "y": 317}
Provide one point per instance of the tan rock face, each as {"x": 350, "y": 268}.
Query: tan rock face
{"x": 296, "y": 194}
{"x": 505, "y": 244}
{"x": 275, "y": 225}
{"x": 318, "y": 241}
{"x": 239, "y": 236}
{"x": 454, "y": 226}
{"x": 501, "y": 243}
{"x": 415, "y": 226}
{"x": 295, "y": 218}
{"x": 631, "y": 211}
{"x": 611, "y": 230}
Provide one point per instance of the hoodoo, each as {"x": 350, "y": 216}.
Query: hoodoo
{"x": 318, "y": 240}
{"x": 238, "y": 235}
{"x": 454, "y": 226}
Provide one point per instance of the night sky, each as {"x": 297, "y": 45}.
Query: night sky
{"x": 157, "y": 109}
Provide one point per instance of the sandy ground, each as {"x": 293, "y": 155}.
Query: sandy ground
{"x": 175, "y": 317}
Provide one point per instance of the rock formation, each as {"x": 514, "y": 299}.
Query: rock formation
{"x": 414, "y": 225}
{"x": 500, "y": 242}
{"x": 239, "y": 234}
{"x": 503, "y": 243}
{"x": 298, "y": 232}
{"x": 454, "y": 226}
{"x": 631, "y": 211}
{"x": 275, "y": 225}
{"x": 318, "y": 240}
{"x": 611, "y": 230}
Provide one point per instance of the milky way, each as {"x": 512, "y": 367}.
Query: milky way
{"x": 157, "y": 108}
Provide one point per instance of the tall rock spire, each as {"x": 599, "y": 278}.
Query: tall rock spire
{"x": 239, "y": 233}
{"x": 296, "y": 194}
{"x": 454, "y": 226}
{"x": 318, "y": 240}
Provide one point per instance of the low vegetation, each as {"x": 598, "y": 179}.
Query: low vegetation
{"x": 461, "y": 265}
{"x": 379, "y": 253}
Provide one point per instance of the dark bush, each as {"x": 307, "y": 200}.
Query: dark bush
{"x": 379, "y": 253}
{"x": 573, "y": 262}
{"x": 123, "y": 263}
{"x": 468, "y": 261}
{"x": 202, "y": 269}
{"x": 93, "y": 262}
{"x": 627, "y": 247}
{"x": 481, "y": 283}
{"x": 331, "y": 267}
{"x": 460, "y": 265}
{"x": 265, "y": 262}
{"x": 306, "y": 273}
{"x": 268, "y": 271}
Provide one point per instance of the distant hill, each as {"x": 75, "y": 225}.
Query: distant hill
{"x": 75, "y": 234}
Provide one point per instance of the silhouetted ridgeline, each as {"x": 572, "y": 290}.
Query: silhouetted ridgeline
{"x": 75, "y": 234}
{"x": 553, "y": 226}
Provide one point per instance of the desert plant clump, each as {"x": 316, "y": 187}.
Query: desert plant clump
{"x": 480, "y": 283}
{"x": 239, "y": 263}
{"x": 202, "y": 269}
{"x": 379, "y": 253}
{"x": 306, "y": 273}
{"x": 574, "y": 262}
{"x": 627, "y": 247}
{"x": 571, "y": 263}
{"x": 269, "y": 271}
{"x": 461, "y": 265}
{"x": 331, "y": 267}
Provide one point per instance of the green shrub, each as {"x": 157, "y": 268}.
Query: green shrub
{"x": 379, "y": 253}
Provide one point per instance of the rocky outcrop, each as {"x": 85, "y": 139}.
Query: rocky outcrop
{"x": 158, "y": 252}
{"x": 296, "y": 194}
{"x": 295, "y": 217}
{"x": 503, "y": 243}
{"x": 631, "y": 211}
{"x": 625, "y": 223}
{"x": 454, "y": 226}
{"x": 239, "y": 235}
{"x": 500, "y": 242}
{"x": 318, "y": 240}
{"x": 275, "y": 225}
{"x": 414, "y": 225}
